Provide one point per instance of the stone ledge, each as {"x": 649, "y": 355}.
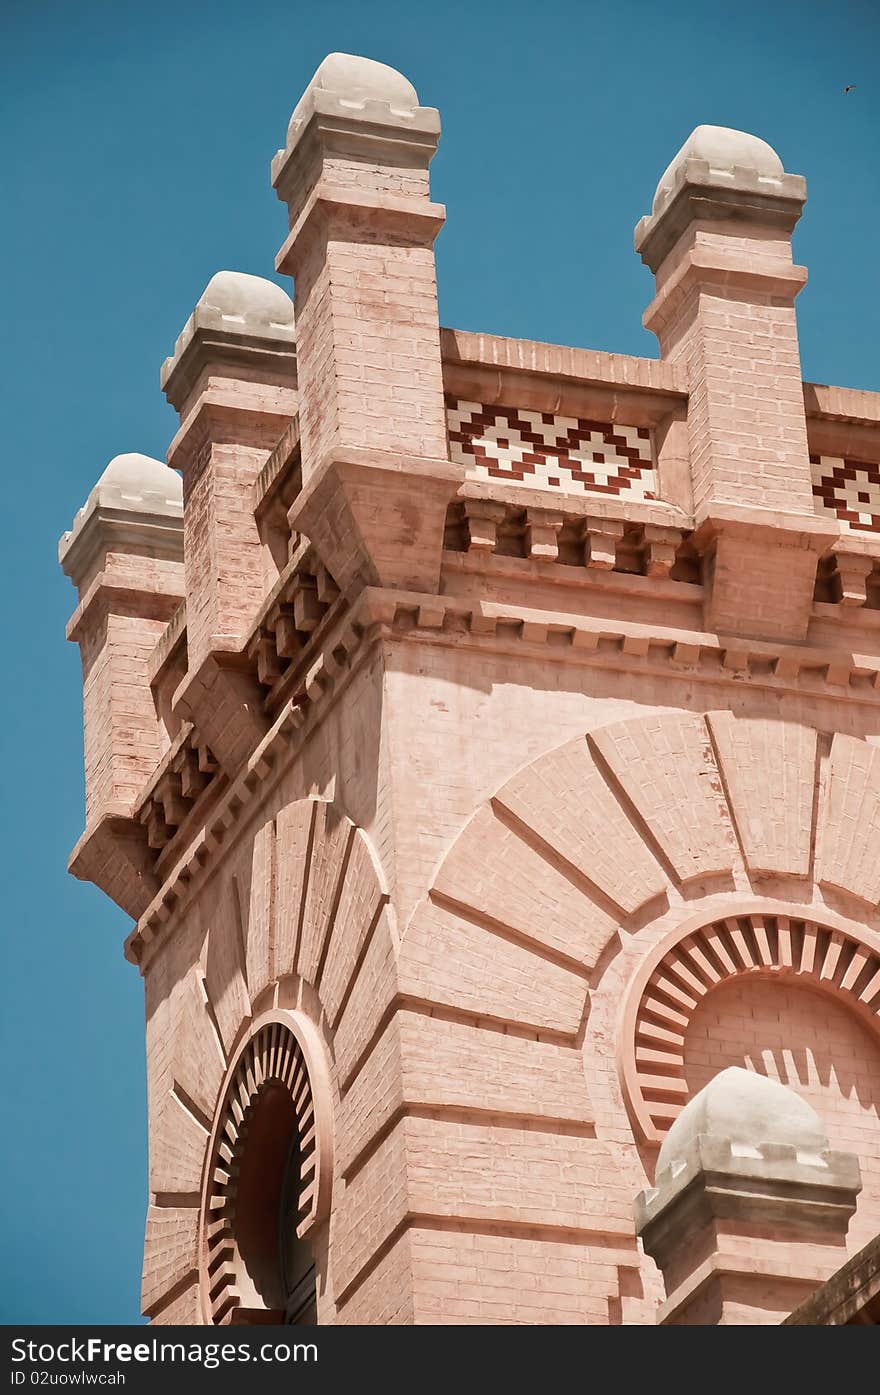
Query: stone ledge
{"x": 461, "y": 349}
{"x": 410, "y": 217}
{"x": 748, "y": 1184}
{"x": 145, "y": 601}
{"x": 844, "y": 1298}
{"x": 113, "y": 854}
{"x": 267, "y": 411}
{"x": 725, "y": 272}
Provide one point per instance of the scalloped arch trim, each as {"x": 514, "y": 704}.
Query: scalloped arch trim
{"x": 281, "y": 1051}
{"x": 694, "y": 959}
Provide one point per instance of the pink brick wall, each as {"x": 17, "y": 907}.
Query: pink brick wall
{"x": 456, "y": 855}
{"x": 739, "y": 349}
{"x": 123, "y": 740}
{"x": 810, "y": 1042}
{"x": 368, "y": 345}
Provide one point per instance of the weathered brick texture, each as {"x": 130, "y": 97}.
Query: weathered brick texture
{"x": 506, "y": 815}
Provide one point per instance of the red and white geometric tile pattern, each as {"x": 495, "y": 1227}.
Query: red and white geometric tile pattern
{"x": 567, "y": 453}
{"x": 850, "y": 489}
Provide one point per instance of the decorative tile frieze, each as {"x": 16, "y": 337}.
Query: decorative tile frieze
{"x": 546, "y": 449}
{"x": 849, "y": 489}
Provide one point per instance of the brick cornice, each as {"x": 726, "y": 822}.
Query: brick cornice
{"x": 108, "y": 595}
{"x": 723, "y": 272}
{"x": 456, "y": 622}
{"x": 323, "y": 685}
{"x": 219, "y": 417}
{"x": 350, "y": 214}
{"x": 461, "y": 622}
{"x": 529, "y": 359}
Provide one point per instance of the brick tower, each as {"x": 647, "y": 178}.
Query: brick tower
{"x": 484, "y": 740}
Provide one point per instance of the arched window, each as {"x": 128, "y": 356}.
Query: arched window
{"x": 262, "y": 1190}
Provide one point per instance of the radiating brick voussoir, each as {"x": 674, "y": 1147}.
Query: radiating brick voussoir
{"x": 362, "y": 895}
{"x": 197, "y": 1062}
{"x": 330, "y": 849}
{"x": 848, "y": 853}
{"x": 454, "y": 962}
{"x": 224, "y": 967}
{"x": 494, "y": 871}
{"x": 294, "y": 829}
{"x": 178, "y": 1143}
{"x": 257, "y": 911}
{"x": 665, "y": 766}
{"x": 769, "y": 770}
{"x": 371, "y": 995}
{"x": 566, "y": 800}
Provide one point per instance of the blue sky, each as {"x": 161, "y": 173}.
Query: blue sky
{"x": 136, "y": 143}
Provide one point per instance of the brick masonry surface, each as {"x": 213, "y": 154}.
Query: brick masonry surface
{"x": 850, "y": 489}
{"x": 567, "y": 453}
{"x": 519, "y": 855}
{"x": 809, "y": 1042}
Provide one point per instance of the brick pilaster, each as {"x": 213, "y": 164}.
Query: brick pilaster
{"x": 354, "y": 174}
{"x": 125, "y": 556}
{"x": 232, "y": 378}
{"x": 719, "y": 242}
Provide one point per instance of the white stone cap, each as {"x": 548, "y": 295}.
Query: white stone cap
{"x": 719, "y": 173}
{"x": 358, "y": 91}
{"x": 747, "y": 1111}
{"x": 236, "y": 304}
{"x": 357, "y": 84}
{"x": 134, "y": 489}
{"x": 748, "y": 1146}
{"x": 729, "y": 156}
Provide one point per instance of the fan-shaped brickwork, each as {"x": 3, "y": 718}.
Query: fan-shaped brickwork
{"x": 549, "y": 910}
{"x": 268, "y": 1104}
{"x": 685, "y": 967}
{"x": 301, "y": 904}
{"x": 590, "y": 839}
{"x": 539, "y": 919}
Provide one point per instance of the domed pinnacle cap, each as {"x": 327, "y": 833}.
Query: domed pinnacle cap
{"x": 745, "y": 1150}
{"x": 248, "y": 301}
{"x": 725, "y": 152}
{"x": 719, "y": 174}
{"x": 355, "y": 99}
{"x": 355, "y": 83}
{"x": 748, "y": 1111}
{"x": 138, "y": 483}
{"x": 133, "y": 488}
{"x": 234, "y": 308}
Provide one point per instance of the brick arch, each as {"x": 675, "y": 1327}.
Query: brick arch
{"x": 565, "y": 870}
{"x": 301, "y": 902}
{"x": 283, "y": 1054}
{"x": 771, "y": 940}
{"x": 597, "y": 835}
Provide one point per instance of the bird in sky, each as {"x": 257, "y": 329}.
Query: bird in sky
{"x": 850, "y": 88}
